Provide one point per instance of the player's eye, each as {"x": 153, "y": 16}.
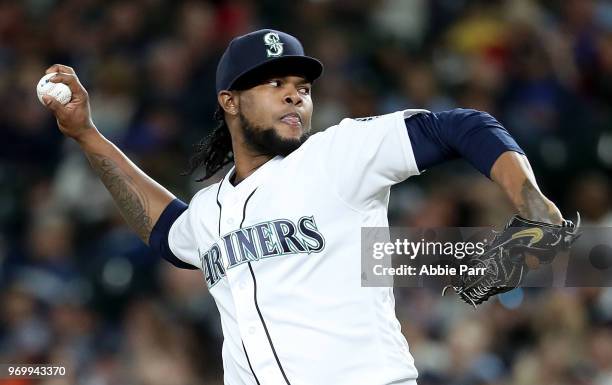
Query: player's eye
{"x": 274, "y": 82}
{"x": 305, "y": 90}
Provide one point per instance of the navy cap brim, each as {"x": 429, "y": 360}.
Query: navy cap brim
{"x": 306, "y": 66}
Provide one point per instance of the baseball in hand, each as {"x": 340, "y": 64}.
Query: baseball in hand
{"x": 59, "y": 91}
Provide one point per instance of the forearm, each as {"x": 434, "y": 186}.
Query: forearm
{"x": 139, "y": 198}
{"x": 512, "y": 172}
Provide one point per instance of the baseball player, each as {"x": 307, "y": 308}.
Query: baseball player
{"x": 278, "y": 239}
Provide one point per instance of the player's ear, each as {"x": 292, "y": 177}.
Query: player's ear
{"x": 228, "y": 101}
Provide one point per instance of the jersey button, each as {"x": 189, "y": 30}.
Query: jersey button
{"x": 242, "y": 285}
{"x": 252, "y": 330}
{"x": 230, "y": 221}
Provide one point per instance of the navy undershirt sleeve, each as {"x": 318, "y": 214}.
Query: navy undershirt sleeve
{"x": 473, "y": 135}
{"x": 158, "y": 241}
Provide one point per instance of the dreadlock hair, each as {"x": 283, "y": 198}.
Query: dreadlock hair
{"x": 214, "y": 151}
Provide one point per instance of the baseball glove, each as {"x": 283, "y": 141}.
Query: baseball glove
{"x": 504, "y": 258}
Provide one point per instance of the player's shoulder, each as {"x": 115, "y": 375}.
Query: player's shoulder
{"x": 372, "y": 121}
{"x": 352, "y": 129}
{"x": 381, "y": 119}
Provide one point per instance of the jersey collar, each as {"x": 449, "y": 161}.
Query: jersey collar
{"x": 250, "y": 183}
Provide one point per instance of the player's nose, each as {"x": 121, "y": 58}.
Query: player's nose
{"x": 293, "y": 97}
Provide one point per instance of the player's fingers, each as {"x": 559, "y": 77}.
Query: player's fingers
{"x": 60, "y": 68}
{"x": 52, "y": 104}
{"x": 70, "y": 80}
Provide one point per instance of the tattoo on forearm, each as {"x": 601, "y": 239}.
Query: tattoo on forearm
{"x": 535, "y": 206}
{"x": 133, "y": 204}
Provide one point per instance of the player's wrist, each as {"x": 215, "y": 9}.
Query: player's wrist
{"x": 87, "y": 136}
{"x": 540, "y": 209}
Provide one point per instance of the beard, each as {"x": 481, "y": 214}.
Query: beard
{"x": 267, "y": 141}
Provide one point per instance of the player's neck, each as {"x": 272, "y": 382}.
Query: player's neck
{"x": 246, "y": 159}
{"x": 246, "y": 164}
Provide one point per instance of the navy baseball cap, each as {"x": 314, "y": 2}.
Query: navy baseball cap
{"x": 251, "y": 56}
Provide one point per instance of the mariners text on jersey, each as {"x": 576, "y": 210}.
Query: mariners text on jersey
{"x": 263, "y": 240}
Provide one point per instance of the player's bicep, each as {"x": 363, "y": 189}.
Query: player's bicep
{"x": 473, "y": 135}
{"x": 171, "y": 237}
{"x": 429, "y": 142}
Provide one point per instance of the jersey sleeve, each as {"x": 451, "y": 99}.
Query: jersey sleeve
{"x": 364, "y": 157}
{"x": 472, "y": 135}
{"x": 172, "y": 236}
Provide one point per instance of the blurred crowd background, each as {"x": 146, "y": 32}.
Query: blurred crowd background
{"x": 78, "y": 289}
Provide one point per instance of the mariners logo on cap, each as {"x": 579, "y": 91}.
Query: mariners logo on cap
{"x": 275, "y": 47}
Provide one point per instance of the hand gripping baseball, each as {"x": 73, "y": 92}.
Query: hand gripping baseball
{"x": 74, "y": 118}
{"x": 504, "y": 259}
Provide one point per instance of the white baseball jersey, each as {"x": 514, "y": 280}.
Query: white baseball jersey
{"x": 280, "y": 253}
